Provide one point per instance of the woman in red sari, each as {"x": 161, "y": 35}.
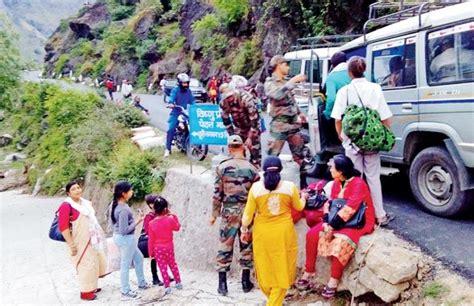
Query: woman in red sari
{"x": 333, "y": 239}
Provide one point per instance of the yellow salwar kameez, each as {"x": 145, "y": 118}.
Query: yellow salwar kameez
{"x": 275, "y": 244}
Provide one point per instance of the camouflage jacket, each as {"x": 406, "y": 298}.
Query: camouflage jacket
{"x": 233, "y": 179}
{"x": 284, "y": 108}
{"x": 239, "y": 113}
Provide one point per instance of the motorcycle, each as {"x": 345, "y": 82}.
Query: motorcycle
{"x": 181, "y": 137}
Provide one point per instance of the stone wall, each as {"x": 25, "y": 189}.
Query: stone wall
{"x": 388, "y": 268}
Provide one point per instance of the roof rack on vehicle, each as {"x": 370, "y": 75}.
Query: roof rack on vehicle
{"x": 323, "y": 41}
{"x": 407, "y": 10}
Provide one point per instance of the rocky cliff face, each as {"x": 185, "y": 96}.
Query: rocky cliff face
{"x": 36, "y": 20}
{"x": 140, "y": 41}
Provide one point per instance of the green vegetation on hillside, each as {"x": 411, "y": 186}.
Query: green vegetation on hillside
{"x": 9, "y": 66}
{"x": 73, "y": 133}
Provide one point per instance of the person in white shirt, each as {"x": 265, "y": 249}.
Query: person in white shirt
{"x": 368, "y": 163}
{"x": 126, "y": 89}
{"x": 162, "y": 84}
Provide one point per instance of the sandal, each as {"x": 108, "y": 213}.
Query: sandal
{"x": 303, "y": 284}
{"x": 328, "y": 292}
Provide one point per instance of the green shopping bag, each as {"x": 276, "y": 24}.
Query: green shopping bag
{"x": 365, "y": 129}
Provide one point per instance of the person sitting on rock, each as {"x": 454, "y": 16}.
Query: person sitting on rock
{"x": 331, "y": 238}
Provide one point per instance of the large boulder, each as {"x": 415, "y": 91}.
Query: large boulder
{"x": 190, "y": 12}
{"x": 92, "y": 17}
{"x": 144, "y": 23}
{"x": 170, "y": 65}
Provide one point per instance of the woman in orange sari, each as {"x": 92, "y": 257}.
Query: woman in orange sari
{"x": 84, "y": 236}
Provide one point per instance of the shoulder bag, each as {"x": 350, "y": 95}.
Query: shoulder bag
{"x": 365, "y": 129}
{"x": 356, "y": 221}
{"x": 54, "y": 232}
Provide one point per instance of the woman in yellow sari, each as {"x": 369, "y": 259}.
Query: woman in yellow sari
{"x": 275, "y": 245}
{"x": 84, "y": 236}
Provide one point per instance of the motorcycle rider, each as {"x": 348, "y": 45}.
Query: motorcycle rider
{"x": 180, "y": 95}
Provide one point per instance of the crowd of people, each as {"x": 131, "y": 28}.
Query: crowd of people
{"x": 258, "y": 212}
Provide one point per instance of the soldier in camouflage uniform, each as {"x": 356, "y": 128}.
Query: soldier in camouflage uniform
{"x": 240, "y": 117}
{"x": 234, "y": 177}
{"x": 287, "y": 117}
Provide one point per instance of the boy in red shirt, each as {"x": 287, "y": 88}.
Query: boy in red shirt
{"x": 160, "y": 243}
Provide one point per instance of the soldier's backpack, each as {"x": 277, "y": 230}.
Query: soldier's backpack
{"x": 365, "y": 129}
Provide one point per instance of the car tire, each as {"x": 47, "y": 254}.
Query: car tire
{"x": 435, "y": 183}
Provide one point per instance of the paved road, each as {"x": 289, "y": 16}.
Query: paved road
{"x": 36, "y": 270}
{"x": 451, "y": 241}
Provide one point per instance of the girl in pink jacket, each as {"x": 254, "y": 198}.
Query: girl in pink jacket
{"x": 160, "y": 242}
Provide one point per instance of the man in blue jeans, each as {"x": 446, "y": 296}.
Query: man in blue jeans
{"x": 180, "y": 95}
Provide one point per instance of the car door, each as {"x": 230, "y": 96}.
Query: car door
{"x": 393, "y": 65}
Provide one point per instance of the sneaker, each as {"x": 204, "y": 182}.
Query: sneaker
{"x": 130, "y": 295}
{"x": 388, "y": 218}
{"x": 167, "y": 153}
{"x": 168, "y": 290}
{"x": 179, "y": 286}
{"x": 145, "y": 286}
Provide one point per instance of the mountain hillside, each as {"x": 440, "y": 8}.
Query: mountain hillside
{"x": 143, "y": 40}
{"x": 36, "y": 20}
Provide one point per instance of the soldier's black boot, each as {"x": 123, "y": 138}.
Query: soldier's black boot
{"x": 246, "y": 283}
{"x": 222, "y": 289}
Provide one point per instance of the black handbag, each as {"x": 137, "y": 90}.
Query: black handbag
{"x": 143, "y": 244}
{"x": 356, "y": 221}
{"x": 54, "y": 232}
{"x": 315, "y": 200}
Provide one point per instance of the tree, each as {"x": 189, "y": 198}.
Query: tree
{"x": 9, "y": 65}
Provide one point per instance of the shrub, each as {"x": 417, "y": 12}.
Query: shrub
{"x": 212, "y": 42}
{"x": 63, "y": 25}
{"x": 205, "y": 26}
{"x": 122, "y": 12}
{"x": 86, "y": 69}
{"x": 83, "y": 48}
{"x": 153, "y": 5}
{"x": 99, "y": 66}
{"x": 231, "y": 11}
{"x": 124, "y": 41}
{"x": 129, "y": 116}
{"x": 68, "y": 108}
{"x": 142, "y": 79}
{"x": 143, "y": 47}
{"x": 60, "y": 63}
{"x": 9, "y": 67}
{"x": 128, "y": 163}
{"x": 94, "y": 143}
{"x": 246, "y": 60}
{"x": 169, "y": 39}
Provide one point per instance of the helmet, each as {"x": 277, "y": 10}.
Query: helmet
{"x": 238, "y": 82}
{"x": 183, "y": 78}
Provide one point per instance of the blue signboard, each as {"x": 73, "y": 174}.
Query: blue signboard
{"x": 206, "y": 125}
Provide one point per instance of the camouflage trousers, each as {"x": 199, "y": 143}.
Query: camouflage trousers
{"x": 255, "y": 150}
{"x": 229, "y": 231}
{"x": 295, "y": 141}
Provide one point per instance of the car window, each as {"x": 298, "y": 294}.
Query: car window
{"x": 194, "y": 83}
{"x": 394, "y": 63}
{"x": 316, "y": 71}
{"x": 295, "y": 68}
{"x": 451, "y": 54}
